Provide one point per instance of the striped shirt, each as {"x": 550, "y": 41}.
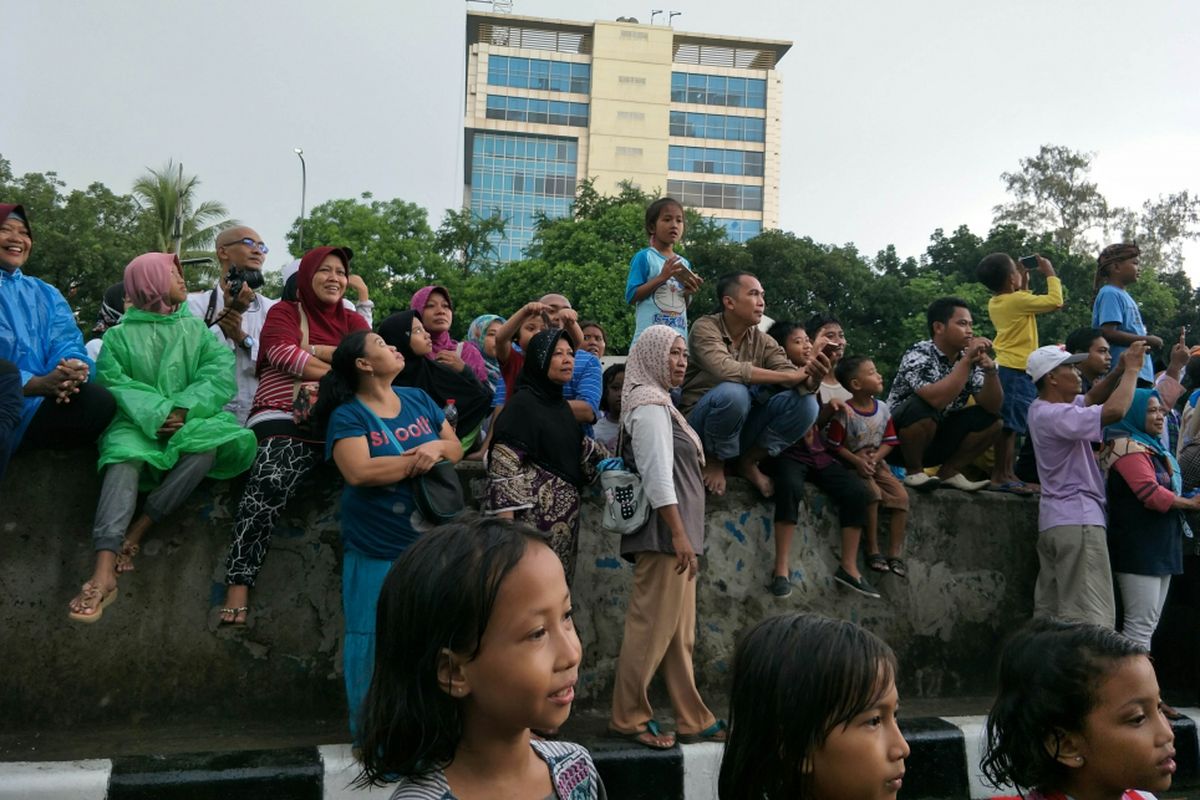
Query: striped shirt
{"x": 572, "y": 773}
{"x": 277, "y": 383}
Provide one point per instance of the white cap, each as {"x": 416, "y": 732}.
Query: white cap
{"x": 1050, "y": 357}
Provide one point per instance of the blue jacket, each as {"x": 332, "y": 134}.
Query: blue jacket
{"x": 37, "y": 330}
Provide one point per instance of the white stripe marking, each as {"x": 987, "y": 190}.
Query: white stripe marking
{"x": 701, "y": 765}
{"x": 973, "y": 738}
{"x": 55, "y": 780}
{"x": 341, "y": 769}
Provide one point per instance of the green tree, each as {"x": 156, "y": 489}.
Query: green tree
{"x": 468, "y": 239}
{"x": 1052, "y": 194}
{"x": 395, "y": 250}
{"x": 167, "y": 194}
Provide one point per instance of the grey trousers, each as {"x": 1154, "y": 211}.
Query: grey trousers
{"x": 1074, "y": 579}
{"x": 119, "y": 490}
{"x": 1143, "y": 597}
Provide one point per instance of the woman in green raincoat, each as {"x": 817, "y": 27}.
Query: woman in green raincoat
{"x": 170, "y": 378}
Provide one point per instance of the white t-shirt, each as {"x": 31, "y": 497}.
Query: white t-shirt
{"x": 252, "y": 323}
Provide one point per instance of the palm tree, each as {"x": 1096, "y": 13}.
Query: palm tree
{"x": 162, "y": 194}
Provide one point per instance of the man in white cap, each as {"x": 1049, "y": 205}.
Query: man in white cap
{"x": 1074, "y": 577}
{"x": 237, "y": 320}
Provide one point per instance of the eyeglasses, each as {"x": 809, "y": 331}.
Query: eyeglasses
{"x": 253, "y": 245}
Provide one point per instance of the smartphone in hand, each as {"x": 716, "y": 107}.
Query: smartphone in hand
{"x": 1029, "y": 262}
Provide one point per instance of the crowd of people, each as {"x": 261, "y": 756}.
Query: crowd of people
{"x": 223, "y": 381}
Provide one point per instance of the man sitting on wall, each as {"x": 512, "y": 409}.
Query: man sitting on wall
{"x": 732, "y": 365}
{"x": 935, "y": 381}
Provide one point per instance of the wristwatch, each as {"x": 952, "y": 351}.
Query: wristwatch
{"x": 247, "y": 343}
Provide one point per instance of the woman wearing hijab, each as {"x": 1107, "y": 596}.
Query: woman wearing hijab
{"x": 437, "y": 311}
{"x": 539, "y": 458}
{"x": 41, "y": 341}
{"x": 171, "y": 380}
{"x": 298, "y": 341}
{"x": 482, "y": 333}
{"x": 1145, "y": 527}
{"x": 406, "y": 332}
{"x": 660, "y": 624}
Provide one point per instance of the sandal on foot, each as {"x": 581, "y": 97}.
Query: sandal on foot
{"x": 129, "y": 551}
{"x": 92, "y": 596}
{"x": 233, "y": 612}
{"x": 646, "y": 738}
{"x": 898, "y": 567}
{"x": 877, "y": 562}
{"x": 713, "y": 733}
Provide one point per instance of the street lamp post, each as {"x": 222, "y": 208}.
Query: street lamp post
{"x": 303, "y": 191}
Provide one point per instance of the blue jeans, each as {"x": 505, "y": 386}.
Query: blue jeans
{"x": 362, "y": 580}
{"x": 733, "y": 417}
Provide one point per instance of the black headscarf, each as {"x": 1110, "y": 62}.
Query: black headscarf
{"x": 472, "y": 400}
{"x": 112, "y": 308}
{"x": 537, "y": 420}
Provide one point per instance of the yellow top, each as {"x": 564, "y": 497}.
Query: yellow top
{"x": 1015, "y": 317}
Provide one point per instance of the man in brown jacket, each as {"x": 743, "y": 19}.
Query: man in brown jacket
{"x": 730, "y": 363}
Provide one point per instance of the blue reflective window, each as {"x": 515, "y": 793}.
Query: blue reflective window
{"x": 539, "y": 73}
{"x": 718, "y": 90}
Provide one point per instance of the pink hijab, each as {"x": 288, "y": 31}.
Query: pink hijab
{"x": 441, "y": 341}
{"x": 148, "y": 282}
{"x": 648, "y": 377}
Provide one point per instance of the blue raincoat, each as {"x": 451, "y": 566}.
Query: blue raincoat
{"x": 37, "y": 329}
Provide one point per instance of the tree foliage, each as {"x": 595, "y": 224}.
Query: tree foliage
{"x": 166, "y": 193}
{"x": 468, "y": 239}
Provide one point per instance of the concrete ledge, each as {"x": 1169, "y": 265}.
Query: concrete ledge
{"x": 944, "y": 765}
{"x": 159, "y": 654}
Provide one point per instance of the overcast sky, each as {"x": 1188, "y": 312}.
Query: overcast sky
{"x": 898, "y": 117}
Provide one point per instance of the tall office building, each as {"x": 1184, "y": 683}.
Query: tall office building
{"x": 550, "y": 103}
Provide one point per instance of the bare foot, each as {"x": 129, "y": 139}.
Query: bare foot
{"x": 129, "y": 551}
{"x": 237, "y": 598}
{"x": 713, "y": 472}
{"x": 749, "y": 470}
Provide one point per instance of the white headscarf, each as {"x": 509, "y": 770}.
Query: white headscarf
{"x": 648, "y": 377}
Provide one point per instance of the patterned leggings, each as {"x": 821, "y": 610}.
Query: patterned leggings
{"x": 278, "y": 468}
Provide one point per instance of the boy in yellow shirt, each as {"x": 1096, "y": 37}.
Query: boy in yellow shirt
{"x": 1014, "y": 309}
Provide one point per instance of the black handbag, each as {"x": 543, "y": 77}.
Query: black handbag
{"x": 438, "y": 493}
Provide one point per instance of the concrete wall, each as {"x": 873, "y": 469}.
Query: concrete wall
{"x": 158, "y": 649}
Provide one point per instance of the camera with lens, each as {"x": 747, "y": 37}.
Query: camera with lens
{"x": 239, "y": 276}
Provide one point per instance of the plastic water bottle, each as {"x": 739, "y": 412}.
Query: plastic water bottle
{"x": 451, "y": 412}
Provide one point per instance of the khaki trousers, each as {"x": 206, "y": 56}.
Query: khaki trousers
{"x": 1074, "y": 577}
{"x": 660, "y": 632}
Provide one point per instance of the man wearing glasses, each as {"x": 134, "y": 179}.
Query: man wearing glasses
{"x": 237, "y": 321}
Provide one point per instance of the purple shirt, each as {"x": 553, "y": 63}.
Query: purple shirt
{"x": 1072, "y": 484}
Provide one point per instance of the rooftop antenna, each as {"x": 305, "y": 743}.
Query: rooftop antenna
{"x": 498, "y": 6}
{"x": 672, "y": 15}
{"x": 654, "y": 12}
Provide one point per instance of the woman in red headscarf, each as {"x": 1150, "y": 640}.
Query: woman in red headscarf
{"x": 298, "y": 341}
{"x": 171, "y": 380}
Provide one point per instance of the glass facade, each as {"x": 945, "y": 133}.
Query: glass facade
{"x": 527, "y": 109}
{"x": 718, "y": 90}
{"x": 716, "y": 126}
{"x": 539, "y": 73}
{"x": 521, "y": 176}
{"x": 716, "y": 195}
{"x": 714, "y": 161}
{"x": 739, "y": 230}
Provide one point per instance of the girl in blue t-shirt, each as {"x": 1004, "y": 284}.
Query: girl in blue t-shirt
{"x": 381, "y": 437}
{"x": 477, "y": 645}
{"x": 661, "y": 284}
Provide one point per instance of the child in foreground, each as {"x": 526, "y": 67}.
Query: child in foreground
{"x": 862, "y": 436}
{"x": 1078, "y": 717}
{"x": 475, "y": 646}
{"x": 812, "y": 714}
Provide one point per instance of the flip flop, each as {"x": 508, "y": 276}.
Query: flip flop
{"x": 713, "y": 733}
{"x": 91, "y": 590}
{"x": 1012, "y": 487}
{"x": 898, "y": 567}
{"x": 233, "y": 623}
{"x": 652, "y": 729}
{"x": 129, "y": 551}
{"x": 877, "y": 562}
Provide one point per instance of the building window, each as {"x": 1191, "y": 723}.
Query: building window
{"x": 539, "y": 73}
{"x": 717, "y": 126}
{"x": 718, "y": 90}
{"x": 523, "y": 177}
{"x": 702, "y": 194}
{"x": 739, "y": 230}
{"x": 529, "y": 109}
{"x": 715, "y": 161}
